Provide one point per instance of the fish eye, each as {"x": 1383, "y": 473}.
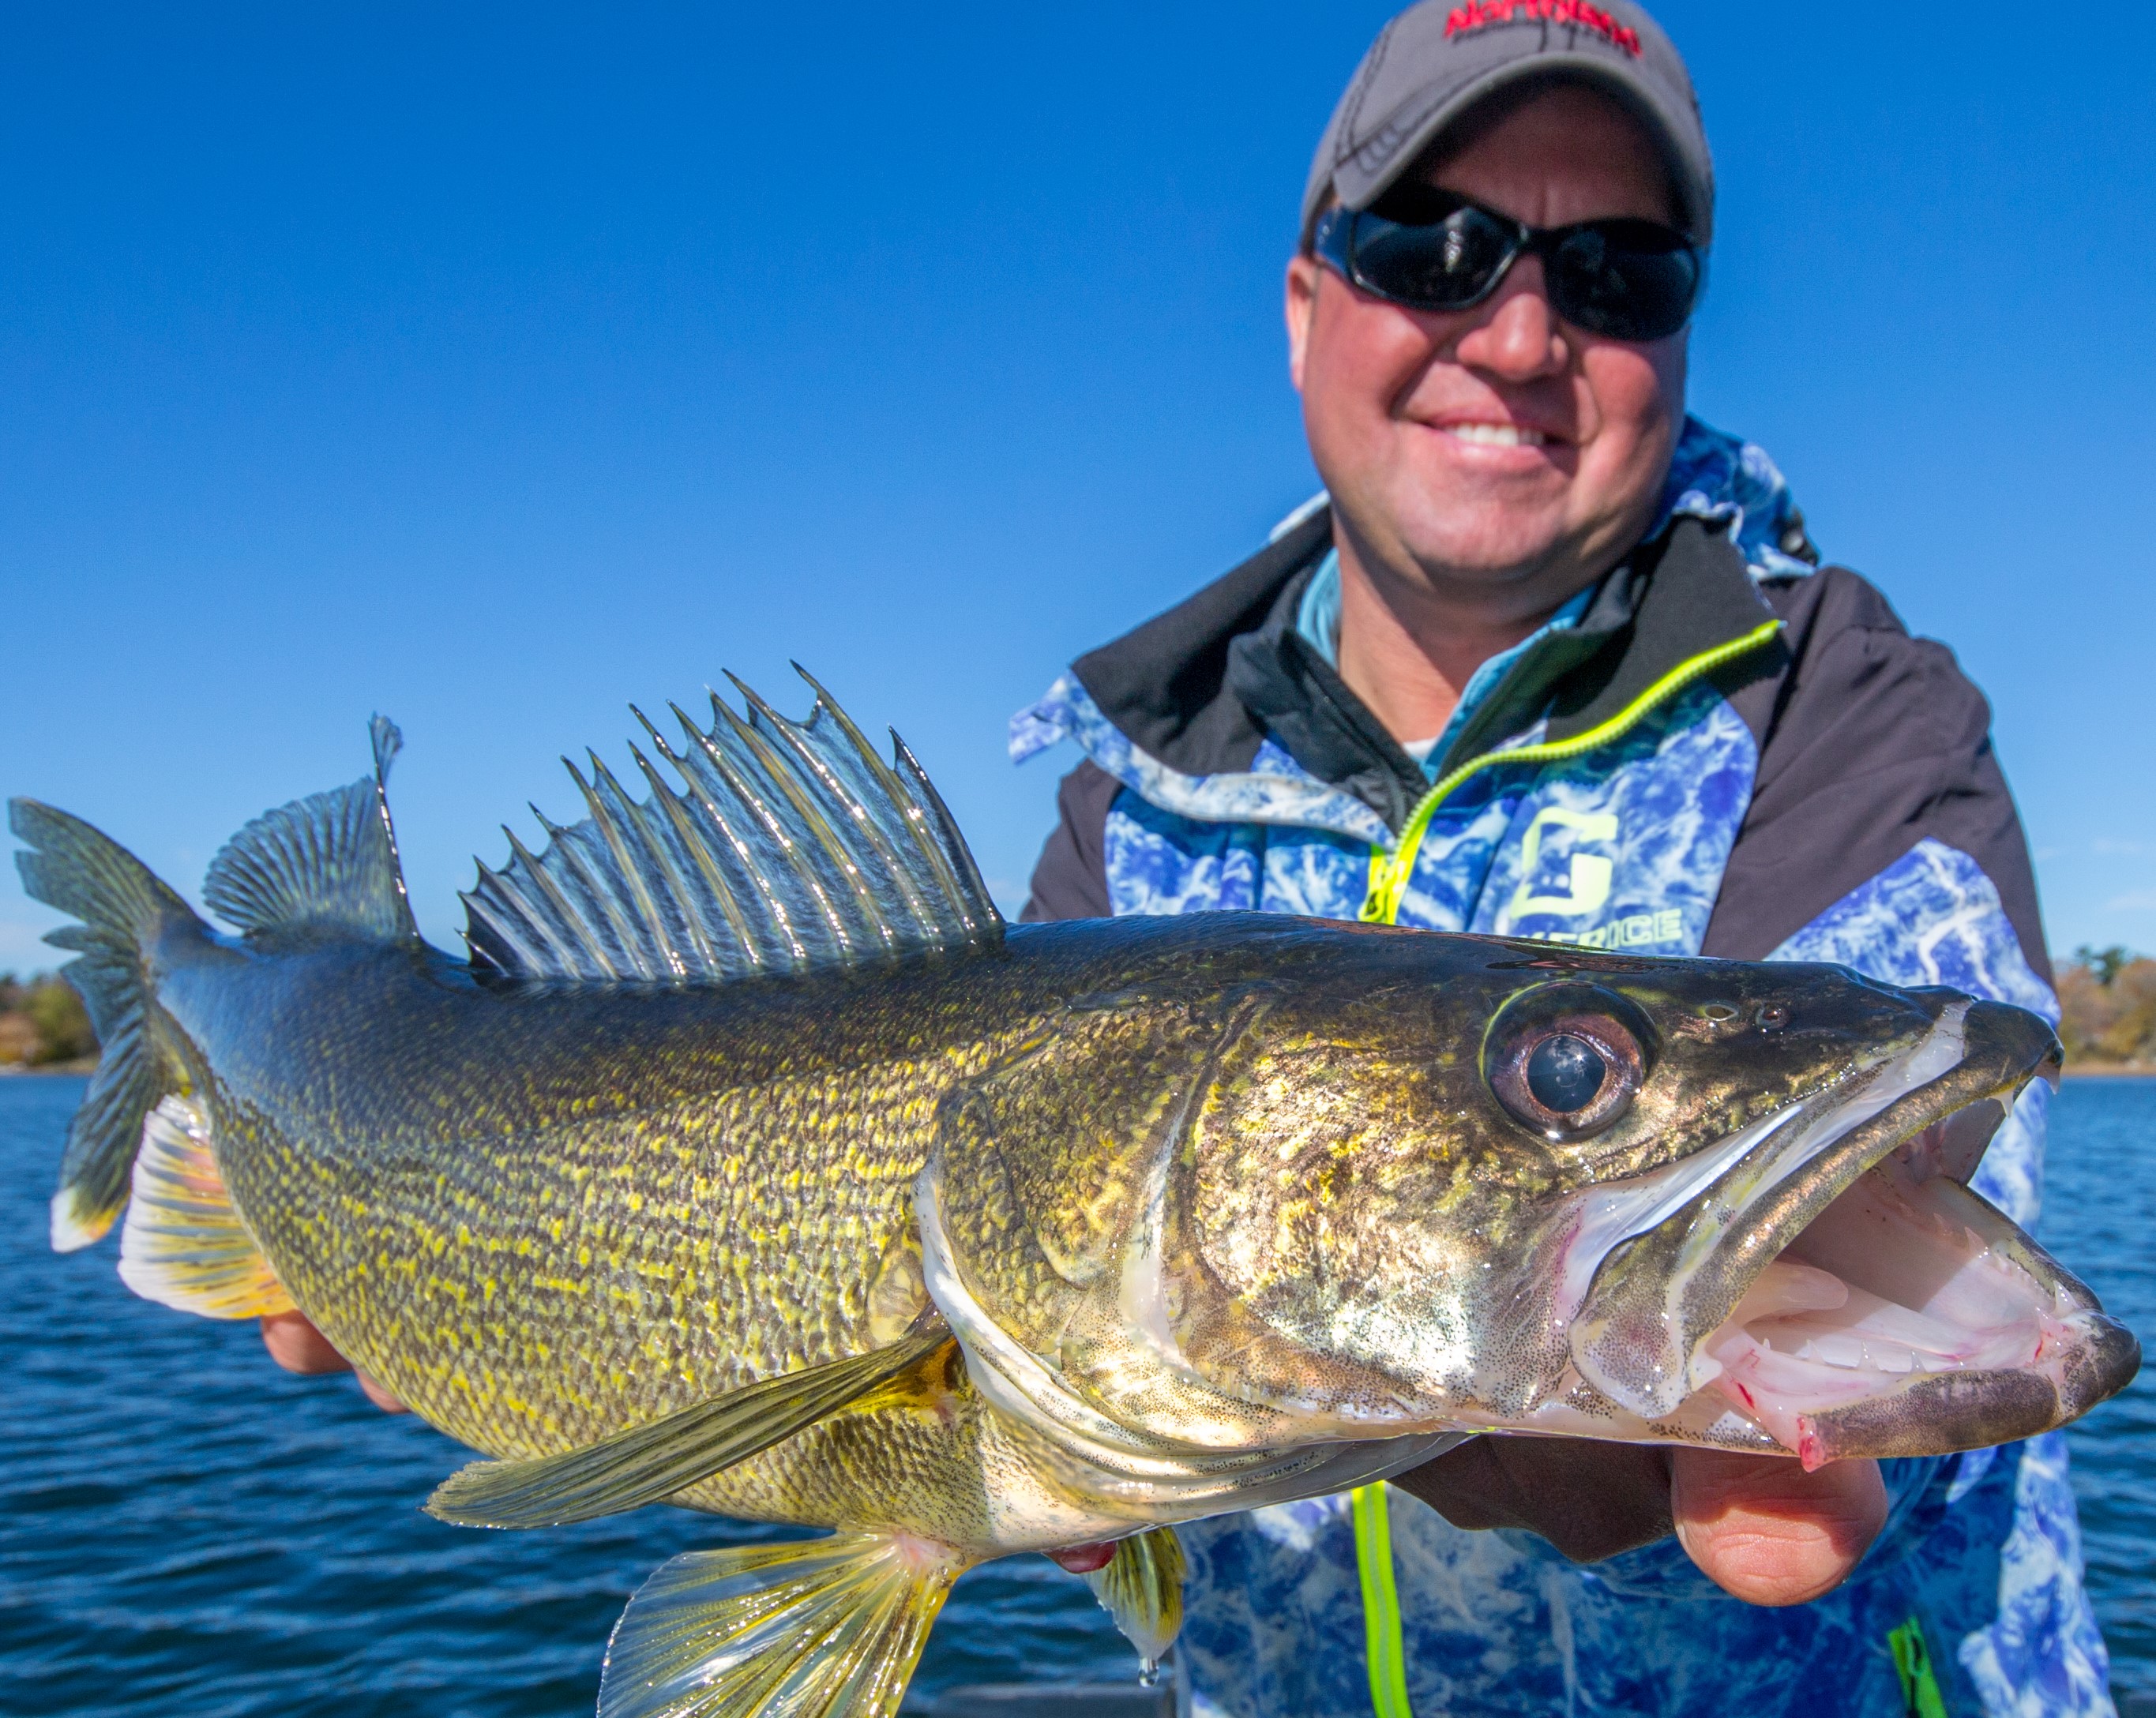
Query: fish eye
{"x": 1564, "y": 1072}
{"x": 1566, "y": 1061}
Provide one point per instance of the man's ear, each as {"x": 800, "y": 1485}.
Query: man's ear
{"x": 1301, "y": 307}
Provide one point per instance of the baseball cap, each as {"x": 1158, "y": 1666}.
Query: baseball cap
{"x": 1439, "y": 59}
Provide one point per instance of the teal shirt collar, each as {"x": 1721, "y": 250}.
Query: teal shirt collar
{"x": 1317, "y": 620}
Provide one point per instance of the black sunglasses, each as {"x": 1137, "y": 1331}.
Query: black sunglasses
{"x": 1432, "y": 250}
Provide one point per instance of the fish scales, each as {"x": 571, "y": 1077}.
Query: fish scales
{"x": 878, "y": 1218}
{"x": 716, "y": 1216}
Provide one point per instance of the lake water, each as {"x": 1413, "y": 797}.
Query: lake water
{"x": 183, "y": 1529}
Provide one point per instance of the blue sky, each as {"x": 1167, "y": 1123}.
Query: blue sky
{"x": 495, "y": 367}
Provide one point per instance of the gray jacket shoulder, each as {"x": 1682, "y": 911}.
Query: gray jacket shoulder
{"x": 1870, "y": 741}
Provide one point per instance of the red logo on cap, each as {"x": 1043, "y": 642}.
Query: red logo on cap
{"x": 1480, "y": 14}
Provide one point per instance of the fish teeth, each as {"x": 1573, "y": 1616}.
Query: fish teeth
{"x": 1846, "y": 1351}
{"x": 1851, "y": 1353}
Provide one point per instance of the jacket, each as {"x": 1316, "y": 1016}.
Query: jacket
{"x": 1728, "y": 752}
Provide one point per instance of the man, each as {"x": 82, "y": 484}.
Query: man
{"x": 1549, "y": 658}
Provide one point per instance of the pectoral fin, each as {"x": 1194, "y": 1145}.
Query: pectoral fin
{"x": 183, "y": 1245}
{"x": 650, "y": 1463}
{"x": 1141, "y": 1587}
{"x": 817, "y": 1628}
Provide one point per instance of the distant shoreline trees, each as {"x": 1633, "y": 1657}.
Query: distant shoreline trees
{"x": 41, "y": 1023}
{"x": 2108, "y": 997}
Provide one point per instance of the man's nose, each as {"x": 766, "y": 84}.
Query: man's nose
{"x": 1518, "y": 335}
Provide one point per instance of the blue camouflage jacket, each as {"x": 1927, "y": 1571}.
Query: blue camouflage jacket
{"x": 1724, "y": 749}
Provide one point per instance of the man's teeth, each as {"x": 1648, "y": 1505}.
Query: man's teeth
{"x": 1497, "y": 435}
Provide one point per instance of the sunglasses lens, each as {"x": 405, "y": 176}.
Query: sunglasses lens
{"x": 1627, "y": 279}
{"x": 1446, "y": 265}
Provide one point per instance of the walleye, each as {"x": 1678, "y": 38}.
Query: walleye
{"x": 750, "y": 1163}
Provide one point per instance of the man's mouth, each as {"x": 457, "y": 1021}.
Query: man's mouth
{"x": 1495, "y": 435}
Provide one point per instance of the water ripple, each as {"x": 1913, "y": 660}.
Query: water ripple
{"x": 2100, "y": 1217}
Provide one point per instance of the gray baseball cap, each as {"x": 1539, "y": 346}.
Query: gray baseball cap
{"x": 1439, "y": 59}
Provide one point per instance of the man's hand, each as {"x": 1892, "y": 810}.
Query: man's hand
{"x": 1758, "y": 1526}
{"x": 298, "y": 1346}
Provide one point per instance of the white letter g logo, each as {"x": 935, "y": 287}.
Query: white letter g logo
{"x": 1589, "y": 881}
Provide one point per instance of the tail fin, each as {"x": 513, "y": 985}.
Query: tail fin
{"x": 816, "y": 1628}
{"x": 124, "y": 911}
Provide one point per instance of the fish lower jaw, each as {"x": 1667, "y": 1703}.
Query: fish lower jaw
{"x": 1900, "y": 1282}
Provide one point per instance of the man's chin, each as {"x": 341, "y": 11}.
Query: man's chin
{"x": 1487, "y": 545}
{"x": 1490, "y": 535}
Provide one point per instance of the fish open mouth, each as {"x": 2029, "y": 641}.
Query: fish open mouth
{"x": 1825, "y": 1279}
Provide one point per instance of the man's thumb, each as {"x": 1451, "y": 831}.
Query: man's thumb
{"x": 1767, "y": 1531}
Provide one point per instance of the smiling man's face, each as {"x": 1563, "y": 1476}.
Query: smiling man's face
{"x": 1499, "y": 454}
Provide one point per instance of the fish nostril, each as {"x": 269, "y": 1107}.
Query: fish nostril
{"x": 1773, "y": 1017}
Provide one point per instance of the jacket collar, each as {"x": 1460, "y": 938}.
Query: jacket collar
{"x": 1292, "y": 693}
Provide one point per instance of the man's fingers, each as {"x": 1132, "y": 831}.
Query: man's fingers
{"x": 298, "y": 1346}
{"x": 1760, "y": 1526}
{"x": 379, "y": 1397}
{"x": 1767, "y": 1531}
{"x": 295, "y": 1345}
{"x": 1083, "y": 1559}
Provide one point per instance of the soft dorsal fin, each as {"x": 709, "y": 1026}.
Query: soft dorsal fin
{"x": 791, "y": 845}
{"x": 328, "y": 861}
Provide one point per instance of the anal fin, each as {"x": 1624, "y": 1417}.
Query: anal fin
{"x": 816, "y": 1628}
{"x": 650, "y": 1463}
{"x": 1141, "y": 1587}
{"x": 183, "y": 1245}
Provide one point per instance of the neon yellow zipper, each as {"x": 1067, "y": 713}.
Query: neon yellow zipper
{"x": 1385, "y": 1651}
{"x": 1390, "y": 871}
{"x": 1921, "y": 1695}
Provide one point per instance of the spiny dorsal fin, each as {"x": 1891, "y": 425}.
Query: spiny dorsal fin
{"x": 790, "y": 845}
{"x": 328, "y": 861}
{"x": 183, "y": 1245}
{"x": 651, "y": 1462}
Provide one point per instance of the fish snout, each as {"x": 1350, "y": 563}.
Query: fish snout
{"x": 1835, "y": 1282}
{"x": 2016, "y": 1040}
